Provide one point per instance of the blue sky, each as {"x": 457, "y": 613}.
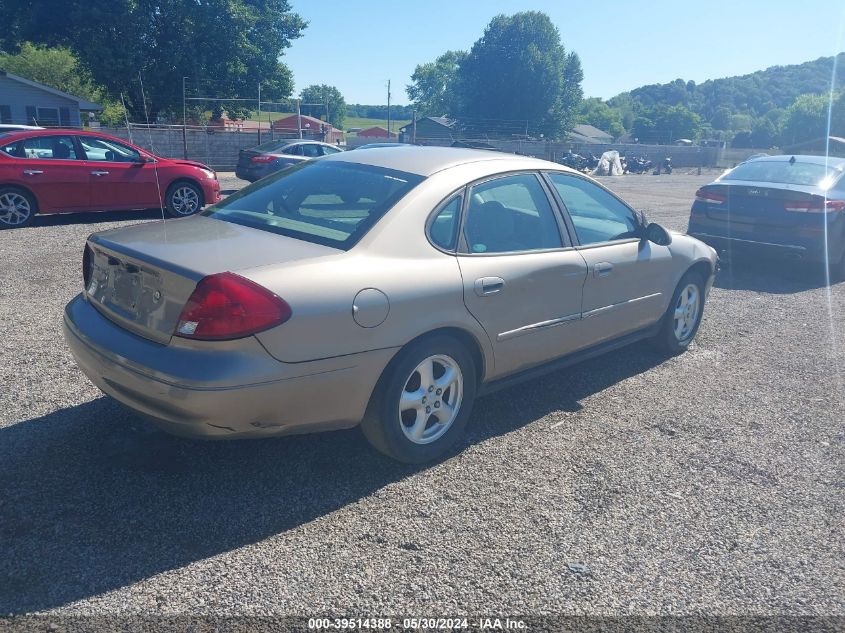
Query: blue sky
{"x": 358, "y": 45}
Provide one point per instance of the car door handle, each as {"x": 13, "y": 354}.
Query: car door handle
{"x": 32, "y": 172}
{"x": 99, "y": 173}
{"x": 488, "y": 286}
{"x": 602, "y": 269}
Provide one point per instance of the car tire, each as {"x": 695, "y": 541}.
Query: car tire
{"x": 683, "y": 316}
{"x": 17, "y": 208}
{"x": 410, "y": 418}
{"x": 183, "y": 198}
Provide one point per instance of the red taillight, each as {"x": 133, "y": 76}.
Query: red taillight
{"x": 703, "y": 195}
{"x": 263, "y": 159}
{"x": 86, "y": 266}
{"x": 816, "y": 205}
{"x": 227, "y": 306}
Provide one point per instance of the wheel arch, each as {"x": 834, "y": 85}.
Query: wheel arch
{"x": 190, "y": 181}
{"x": 27, "y": 191}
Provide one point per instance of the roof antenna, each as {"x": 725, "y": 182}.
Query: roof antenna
{"x": 152, "y": 149}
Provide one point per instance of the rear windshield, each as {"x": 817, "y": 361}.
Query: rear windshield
{"x": 784, "y": 172}
{"x": 271, "y": 146}
{"x": 325, "y": 202}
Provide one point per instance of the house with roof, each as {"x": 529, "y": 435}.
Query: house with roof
{"x": 312, "y": 128}
{"x": 428, "y": 128}
{"x": 583, "y": 133}
{"x": 376, "y": 132}
{"x": 27, "y": 102}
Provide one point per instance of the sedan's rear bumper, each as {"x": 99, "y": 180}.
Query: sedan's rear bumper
{"x": 806, "y": 252}
{"x": 228, "y": 389}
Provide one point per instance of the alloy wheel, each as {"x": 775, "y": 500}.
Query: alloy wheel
{"x": 687, "y": 311}
{"x": 431, "y": 399}
{"x": 15, "y": 209}
{"x": 185, "y": 201}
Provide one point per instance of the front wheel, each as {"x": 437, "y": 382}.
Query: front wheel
{"x": 422, "y": 403}
{"x": 681, "y": 321}
{"x": 183, "y": 199}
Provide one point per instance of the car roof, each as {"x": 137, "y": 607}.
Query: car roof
{"x": 831, "y": 161}
{"x": 425, "y": 161}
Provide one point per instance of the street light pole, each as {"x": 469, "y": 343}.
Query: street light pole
{"x": 388, "y": 109}
{"x": 259, "y": 113}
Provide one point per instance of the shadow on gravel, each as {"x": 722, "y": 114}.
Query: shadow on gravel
{"x": 93, "y": 498}
{"x": 775, "y": 276}
{"x": 94, "y": 217}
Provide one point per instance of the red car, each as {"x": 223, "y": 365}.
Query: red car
{"x": 59, "y": 171}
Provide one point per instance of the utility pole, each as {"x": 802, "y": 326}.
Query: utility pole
{"x": 259, "y": 113}
{"x": 184, "y": 121}
{"x": 388, "y": 109}
{"x": 414, "y": 129}
{"x": 299, "y": 117}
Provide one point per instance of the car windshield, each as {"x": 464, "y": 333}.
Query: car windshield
{"x": 785, "y": 172}
{"x": 330, "y": 203}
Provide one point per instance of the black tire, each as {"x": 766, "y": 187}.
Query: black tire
{"x": 667, "y": 339}
{"x": 12, "y": 219}
{"x": 183, "y": 198}
{"x": 383, "y": 423}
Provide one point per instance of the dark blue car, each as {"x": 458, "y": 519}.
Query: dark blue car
{"x": 790, "y": 206}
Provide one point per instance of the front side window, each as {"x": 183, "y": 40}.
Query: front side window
{"x": 328, "y": 150}
{"x": 330, "y": 203}
{"x": 98, "y": 149}
{"x": 444, "y": 226}
{"x": 598, "y": 215}
{"x": 311, "y": 151}
{"x": 510, "y": 214}
{"x": 46, "y": 147}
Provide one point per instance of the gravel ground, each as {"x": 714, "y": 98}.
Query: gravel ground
{"x": 708, "y": 483}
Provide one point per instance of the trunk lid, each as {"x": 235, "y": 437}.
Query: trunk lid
{"x": 760, "y": 204}
{"x": 141, "y": 276}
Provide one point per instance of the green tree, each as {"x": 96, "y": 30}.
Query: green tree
{"x": 55, "y": 67}
{"x": 519, "y": 70}
{"x": 327, "y": 99}
{"x": 433, "y": 85}
{"x": 225, "y": 47}
{"x": 721, "y": 119}
{"x": 666, "y": 125}
{"x": 807, "y": 118}
{"x": 597, "y": 113}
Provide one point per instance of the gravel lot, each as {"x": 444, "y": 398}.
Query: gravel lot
{"x": 709, "y": 483}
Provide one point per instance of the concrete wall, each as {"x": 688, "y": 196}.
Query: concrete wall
{"x": 18, "y": 96}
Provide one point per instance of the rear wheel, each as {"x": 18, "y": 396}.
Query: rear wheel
{"x": 681, "y": 321}
{"x": 17, "y": 208}
{"x": 423, "y": 401}
{"x": 183, "y": 198}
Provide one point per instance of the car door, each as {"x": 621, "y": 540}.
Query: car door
{"x": 118, "y": 177}
{"x": 51, "y": 167}
{"x": 629, "y": 279}
{"x": 522, "y": 277}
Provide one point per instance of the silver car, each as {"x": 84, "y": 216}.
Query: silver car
{"x": 387, "y": 288}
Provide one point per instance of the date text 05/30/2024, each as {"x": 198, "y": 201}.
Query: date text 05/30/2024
{"x": 417, "y": 624}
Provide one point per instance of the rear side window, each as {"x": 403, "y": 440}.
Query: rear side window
{"x": 784, "y": 172}
{"x": 510, "y": 214}
{"x": 47, "y": 147}
{"x": 330, "y": 203}
{"x": 444, "y": 226}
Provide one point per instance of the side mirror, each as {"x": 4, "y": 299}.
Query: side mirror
{"x": 657, "y": 234}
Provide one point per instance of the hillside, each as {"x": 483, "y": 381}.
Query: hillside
{"x": 754, "y": 94}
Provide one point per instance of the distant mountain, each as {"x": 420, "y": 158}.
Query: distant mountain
{"x": 754, "y": 94}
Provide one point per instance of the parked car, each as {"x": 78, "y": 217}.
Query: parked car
{"x": 792, "y": 206}
{"x": 11, "y": 127}
{"x": 388, "y": 287}
{"x": 272, "y": 156}
{"x": 59, "y": 171}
